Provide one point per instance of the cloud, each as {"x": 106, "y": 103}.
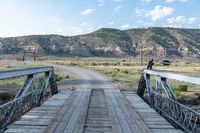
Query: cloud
{"x": 111, "y": 23}
{"x": 170, "y": 1}
{"x": 159, "y": 12}
{"x": 154, "y": 14}
{"x": 192, "y": 20}
{"x": 87, "y": 11}
{"x": 181, "y": 20}
{"x": 125, "y": 26}
{"x": 140, "y": 12}
{"x": 117, "y": 8}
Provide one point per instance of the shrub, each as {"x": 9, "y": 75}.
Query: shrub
{"x": 58, "y": 78}
{"x": 66, "y": 77}
{"x": 183, "y": 87}
{"x": 180, "y": 88}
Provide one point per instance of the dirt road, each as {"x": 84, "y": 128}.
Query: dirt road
{"x": 82, "y": 78}
{"x": 79, "y": 77}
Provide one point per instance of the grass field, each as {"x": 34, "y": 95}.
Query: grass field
{"x": 122, "y": 72}
{"x": 128, "y": 73}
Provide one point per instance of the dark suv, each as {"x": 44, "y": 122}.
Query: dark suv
{"x": 166, "y": 62}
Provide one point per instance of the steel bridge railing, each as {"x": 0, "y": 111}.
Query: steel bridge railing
{"x": 30, "y": 95}
{"x": 161, "y": 98}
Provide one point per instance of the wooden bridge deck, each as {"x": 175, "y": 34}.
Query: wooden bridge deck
{"x": 93, "y": 111}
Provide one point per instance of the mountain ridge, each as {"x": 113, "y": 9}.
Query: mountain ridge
{"x": 109, "y": 42}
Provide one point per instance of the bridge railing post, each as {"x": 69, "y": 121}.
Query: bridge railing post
{"x": 53, "y": 85}
{"x": 141, "y": 86}
{"x": 150, "y": 89}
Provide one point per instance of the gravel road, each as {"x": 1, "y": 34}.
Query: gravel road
{"x": 79, "y": 77}
{"x": 83, "y": 78}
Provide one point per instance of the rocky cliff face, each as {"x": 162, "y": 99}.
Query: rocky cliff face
{"x": 165, "y": 42}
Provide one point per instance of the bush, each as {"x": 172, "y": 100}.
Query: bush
{"x": 93, "y": 64}
{"x": 66, "y": 77}
{"x": 125, "y": 71}
{"x": 58, "y": 78}
{"x": 6, "y": 96}
{"x": 73, "y": 64}
{"x": 180, "y": 88}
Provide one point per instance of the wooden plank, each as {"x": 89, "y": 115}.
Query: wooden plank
{"x": 116, "y": 127}
{"x": 40, "y": 118}
{"x": 67, "y": 114}
{"x": 28, "y": 117}
{"x": 124, "y": 124}
{"x": 153, "y": 120}
{"x": 21, "y": 130}
{"x": 73, "y": 119}
{"x": 135, "y": 122}
{"x": 166, "y": 131}
{"x": 62, "y": 112}
{"x": 42, "y": 122}
{"x": 79, "y": 126}
{"x": 98, "y": 116}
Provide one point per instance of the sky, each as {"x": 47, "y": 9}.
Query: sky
{"x": 74, "y": 17}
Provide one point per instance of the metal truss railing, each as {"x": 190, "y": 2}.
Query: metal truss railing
{"x": 30, "y": 94}
{"x": 162, "y": 99}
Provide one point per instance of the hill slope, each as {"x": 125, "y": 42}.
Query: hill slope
{"x": 165, "y": 42}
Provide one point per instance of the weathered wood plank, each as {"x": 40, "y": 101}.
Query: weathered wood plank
{"x": 73, "y": 119}
{"x": 62, "y": 112}
{"x": 67, "y": 114}
{"x": 123, "y": 122}
{"x": 79, "y": 125}
{"x": 134, "y": 121}
{"x": 152, "y": 119}
{"x": 98, "y": 116}
{"x": 25, "y": 130}
{"x": 77, "y": 112}
{"x": 39, "y": 119}
{"x": 116, "y": 127}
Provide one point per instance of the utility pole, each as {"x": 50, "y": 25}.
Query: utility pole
{"x": 142, "y": 52}
{"x": 0, "y": 53}
{"x": 24, "y": 54}
{"x": 141, "y": 56}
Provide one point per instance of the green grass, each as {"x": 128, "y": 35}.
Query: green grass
{"x": 123, "y": 71}
{"x": 121, "y": 74}
{"x": 177, "y": 89}
{"x": 95, "y": 63}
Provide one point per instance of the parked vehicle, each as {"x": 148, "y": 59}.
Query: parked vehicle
{"x": 166, "y": 62}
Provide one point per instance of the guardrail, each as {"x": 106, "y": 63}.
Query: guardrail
{"x": 161, "y": 98}
{"x": 30, "y": 95}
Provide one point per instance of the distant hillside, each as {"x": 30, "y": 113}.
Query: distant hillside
{"x": 164, "y": 42}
